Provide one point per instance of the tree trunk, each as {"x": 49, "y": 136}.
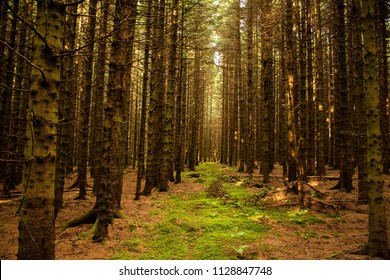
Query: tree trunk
{"x": 85, "y": 103}
{"x": 267, "y": 96}
{"x": 346, "y": 165}
{"x": 377, "y": 238}
{"x": 170, "y": 102}
{"x": 145, "y": 81}
{"x": 36, "y": 211}
{"x": 110, "y": 192}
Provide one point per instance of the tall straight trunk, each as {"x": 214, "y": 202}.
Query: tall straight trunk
{"x": 320, "y": 91}
{"x": 346, "y": 166}
{"x": 9, "y": 96}
{"x": 64, "y": 131}
{"x": 85, "y": 103}
{"x": 98, "y": 100}
{"x": 283, "y": 139}
{"x": 383, "y": 72}
{"x": 156, "y": 103}
{"x": 310, "y": 152}
{"x": 179, "y": 105}
{"x": 356, "y": 84}
{"x": 136, "y": 123}
{"x": 290, "y": 57}
{"x": 241, "y": 94}
{"x": 70, "y": 74}
{"x": 129, "y": 102}
{"x": 110, "y": 192}
{"x": 302, "y": 120}
{"x": 267, "y": 83}
{"x": 194, "y": 121}
{"x": 170, "y": 101}
{"x": 251, "y": 87}
{"x": 378, "y": 245}
{"x": 145, "y": 81}
{"x": 36, "y": 210}
{"x": 225, "y": 109}
{"x": 20, "y": 102}
{"x": 3, "y": 97}
{"x": 335, "y": 92}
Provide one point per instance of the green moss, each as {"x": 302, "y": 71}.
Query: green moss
{"x": 196, "y": 226}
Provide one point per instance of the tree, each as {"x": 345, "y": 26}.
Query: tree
{"x": 383, "y": 68}
{"x": 145, "y": 80}
{"x": 320, "y": 92}
{"x": 36, "y": 211}
{"x": 193, "y": 155}
{"x": 109, "y": 193}
{"x": 377, "y": 238}
{"x": 291, "y": 95}
{"x": 251, "y": 10}
{"x": 168, "y": 142}
{"x": 267, "y": 88}
{"x": 156, "y": 102}
{"x": 180, "y": 104}
{"x": 85, "y": 103}
{"x": 346, "y": 165}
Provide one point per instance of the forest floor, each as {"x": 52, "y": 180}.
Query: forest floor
{"x": 216, "y": 213}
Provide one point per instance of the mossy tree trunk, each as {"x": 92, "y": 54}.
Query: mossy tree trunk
{"x": 377, "y": 238}
{"x": 36, "y": 224}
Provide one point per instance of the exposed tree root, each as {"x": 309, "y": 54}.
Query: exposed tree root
{"x": 88, "y": 218}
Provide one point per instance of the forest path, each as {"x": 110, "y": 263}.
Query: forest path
{"x": 245, "y": 222}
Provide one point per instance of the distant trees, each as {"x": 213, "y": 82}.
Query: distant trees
{"x": 322, "y": 96}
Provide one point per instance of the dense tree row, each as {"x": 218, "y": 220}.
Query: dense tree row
{"x": 96, "y": 87}
{"x": 296, "y": 90}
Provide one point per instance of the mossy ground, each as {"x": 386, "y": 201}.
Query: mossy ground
{"x": 198, "y": 226}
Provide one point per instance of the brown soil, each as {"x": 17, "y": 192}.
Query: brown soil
{"x": 337, "y": 238}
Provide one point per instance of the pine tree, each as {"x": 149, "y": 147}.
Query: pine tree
{"x": 377, "y": 237}
{"x": 36, "y": 211}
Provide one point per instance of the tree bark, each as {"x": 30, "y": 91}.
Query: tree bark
{"x": 36, "y": 211}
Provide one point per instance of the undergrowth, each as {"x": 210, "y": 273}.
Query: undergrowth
{"x": 201, "y": 226}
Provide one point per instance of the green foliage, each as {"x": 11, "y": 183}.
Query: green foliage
{"x": 302, "y": 217}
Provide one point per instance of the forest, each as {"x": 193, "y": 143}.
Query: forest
{"x": 194, "y": 129}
